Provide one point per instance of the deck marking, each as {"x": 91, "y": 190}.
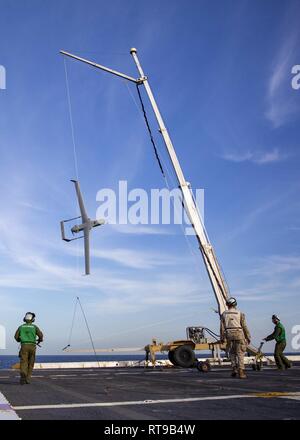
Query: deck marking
{"x": 6, "y": 411}
{"x": 63, "y": 375}
{"x": 77, "y": 378}
{"x": 131, "y": 374}
{"x": 292, "y": 395}
{"x": 125, "y": 403}
{"x": 269, "y": 395}
{"x": 90, "y": 374}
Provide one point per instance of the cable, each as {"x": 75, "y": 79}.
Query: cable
{"x": 164, "y": 166}
{"x": 74, "y": 145}
{"x": 162, "y": 171}
{"x": 149, "y": 130}
{"x": 72, "y": 325}
{"x": 212, "y": 334}
{"x": 161, "y": 168}
{"x": 133, "y": 98}
{"x": 87, "y": 326}
{"x": 77, "y": 176}
{"x": 99, "y": 52}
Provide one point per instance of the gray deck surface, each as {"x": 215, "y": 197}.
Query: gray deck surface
{"x": 135, "y": 394}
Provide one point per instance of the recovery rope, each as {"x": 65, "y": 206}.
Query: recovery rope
{"x": 77, "y": 248}
{"x": 149, "y": 130}
{"x": 87, "y": 326}
{"x": 72, "y": 326}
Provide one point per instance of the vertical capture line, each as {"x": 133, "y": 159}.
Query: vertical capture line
{"x": 75, "y": 161}
{"x": 74, "y": 145}
{"x": 73, "y": 320}
{"x": 88, "y": 329}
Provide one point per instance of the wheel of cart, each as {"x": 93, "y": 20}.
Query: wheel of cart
{"x": 171, "y": 358}
{"x": 182, "y": 356}
{"x": 257, "y": 366}
{"x": 203, "y": 366}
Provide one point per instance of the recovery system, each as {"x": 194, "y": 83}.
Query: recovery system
{"x": 182, "y": 352}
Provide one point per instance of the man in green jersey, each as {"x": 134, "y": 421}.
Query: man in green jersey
{"x": 279, "y": 335}
{"x": 29, "y": 335}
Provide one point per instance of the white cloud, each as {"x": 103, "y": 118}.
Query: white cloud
{"x": 270, "y": 278}
{"x": 278, "y": 264}
{"x": 257, "y": 157}
{"x": 32, "y": 206}
{"x": 282, "y": 105}
{"x": 136, "y": 259}
{"x": 42, "y": 264}
{"x": 268, "y": 157}
{"x": 238, "y": 156}
{"x": 294, "y": 228}
{"x": 141, "y": 229}
{"x": 251, "y": 218}
{"x": 280, "y": 110}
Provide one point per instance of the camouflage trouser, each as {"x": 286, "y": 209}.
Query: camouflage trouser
{"x": 237, "y": 349}
{"x": 281, "y": 361}
{"x": 27, "y": 359}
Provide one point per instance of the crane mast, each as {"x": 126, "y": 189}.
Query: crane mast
{"x": 210, "y": 260}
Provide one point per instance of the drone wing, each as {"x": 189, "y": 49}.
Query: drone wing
{"x": 80, "y": 202}
{"x": 87, "y": 250}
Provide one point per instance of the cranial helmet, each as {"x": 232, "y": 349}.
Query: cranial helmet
{"x": 275, "y": 317}
{"x": 30, "y": 316}
{"x": 231, "y": 302}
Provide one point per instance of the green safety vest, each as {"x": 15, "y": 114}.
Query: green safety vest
{"x": 281, "y": 336}
{"x": 27, "y": 334}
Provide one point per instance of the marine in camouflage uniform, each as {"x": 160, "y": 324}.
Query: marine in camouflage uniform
{"x": 29, "y": 335}
{"x": 235, "y": 331}
{"x": 279, "y": 335}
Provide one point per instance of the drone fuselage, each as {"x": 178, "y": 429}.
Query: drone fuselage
{"x": 89, "y": 225}
{"x": 86, "y": 226}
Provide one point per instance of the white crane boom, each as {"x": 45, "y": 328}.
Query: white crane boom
{"x": 210, "y": 260}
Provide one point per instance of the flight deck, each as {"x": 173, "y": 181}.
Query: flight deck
{"x": 152, "y": 394}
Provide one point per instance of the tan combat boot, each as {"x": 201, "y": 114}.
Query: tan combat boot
{"x": 234, "y": 372}
{"x": 242, "y": 374}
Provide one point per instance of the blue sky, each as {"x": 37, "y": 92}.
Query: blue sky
{"x": 221, "y": 73}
